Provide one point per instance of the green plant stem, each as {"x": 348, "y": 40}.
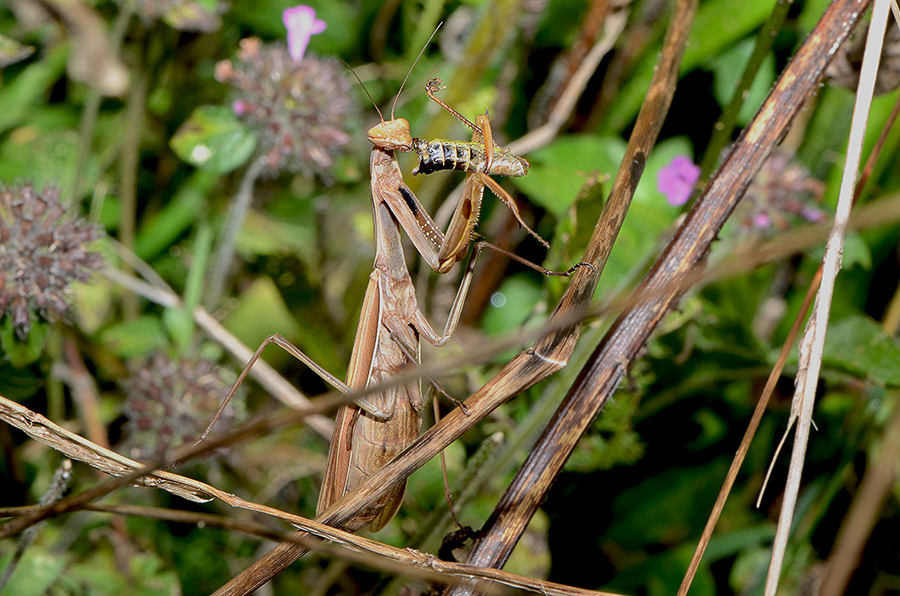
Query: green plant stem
{"x": 425, "y": 25}
{"x": 225, "y": 249}
{"x": 128, "y": 165}
{"x": 725, "y": 126}
{"x": 92, "y": 102}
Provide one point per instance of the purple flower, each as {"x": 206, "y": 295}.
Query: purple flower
{"x": 762, "y": 220}
{"x": 301, "y": 24}
{"x": 677, "y": 179}
{"x": 812, "y": 215}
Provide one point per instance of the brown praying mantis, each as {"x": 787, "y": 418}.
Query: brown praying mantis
{"x": 373, "y": 430}
{"x": 370, "y": 432}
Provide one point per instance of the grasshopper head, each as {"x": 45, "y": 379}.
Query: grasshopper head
{"x": 393, "y": 135}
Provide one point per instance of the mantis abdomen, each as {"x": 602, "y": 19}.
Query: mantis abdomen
{"x": 374, "y": 443}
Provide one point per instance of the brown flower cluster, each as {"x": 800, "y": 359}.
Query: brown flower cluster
{"x": 304, "y": 111}
{"x": 170, "y": 403}
{"x": 41, "y": 253}
{"x": 781, "y": 195}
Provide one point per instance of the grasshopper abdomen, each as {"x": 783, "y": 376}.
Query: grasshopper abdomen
{"x": 465, "y": 156}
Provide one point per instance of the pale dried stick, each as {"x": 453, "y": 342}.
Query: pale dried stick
{"x": 80, "y": 449}
{"x": 813, "y": 343}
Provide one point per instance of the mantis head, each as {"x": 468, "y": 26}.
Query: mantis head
{"x": 393, "y": 135}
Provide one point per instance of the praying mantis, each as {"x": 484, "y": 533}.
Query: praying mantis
{"x": 373, "y": 430}
{"x": 376, "y": 428}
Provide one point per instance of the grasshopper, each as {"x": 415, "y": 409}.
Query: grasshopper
{"x": 480, "y": 158}
{"x": 480, "y": 155}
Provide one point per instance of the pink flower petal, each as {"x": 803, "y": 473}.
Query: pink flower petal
{"x": 301, "y": 24}
{"x": 677, "y": 180}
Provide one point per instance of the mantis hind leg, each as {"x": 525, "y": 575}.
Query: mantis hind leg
{"x": 291, "y": 349}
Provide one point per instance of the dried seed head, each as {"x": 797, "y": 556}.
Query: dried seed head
{"x": 41, "y": 254}
{"x": 304, "y": 111}
{"x": 844, "y": 70}
{"x": 170, "y": 403}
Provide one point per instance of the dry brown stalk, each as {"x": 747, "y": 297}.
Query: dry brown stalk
{"x": 365, "y": 551}
{"x": 611, "y": 359}
{"x": 627, "y": 336}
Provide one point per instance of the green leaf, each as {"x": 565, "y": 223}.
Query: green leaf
{"x": 427, "y": 483}
{"x": 19, "y": 384}
{"x": 559, "y": 171}
{"x": 93, "y": 302}
{"x": 661, "y": 575}
{"x": 641, "y": 517}
{"x": 262, "y": 234}
{"x": 44, "y": 157}
{"x": 158, "y": 232}
{"x": 99, "y": 575}
{"x": 859, "y": 346}
{"x": 611, "y": 440}
{"x": 180, "y": 326}
{"x": 26, "y": 91}
{"x": 560, "y": 23}
{"x": 22, "y": 353}
{"x": 138, "y": 337}
{"x": 180, "y": 322}
{"x": 260, "y": 313}
{"x": 214, "y": 139}
{"x": 37, "y": 572}
{"x": 728, "y": 69}
{"x": 719, "y": 24}
{"x": 512, "y": 304}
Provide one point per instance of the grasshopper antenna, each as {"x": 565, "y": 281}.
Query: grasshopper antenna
{"x": 409, "y": 72}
